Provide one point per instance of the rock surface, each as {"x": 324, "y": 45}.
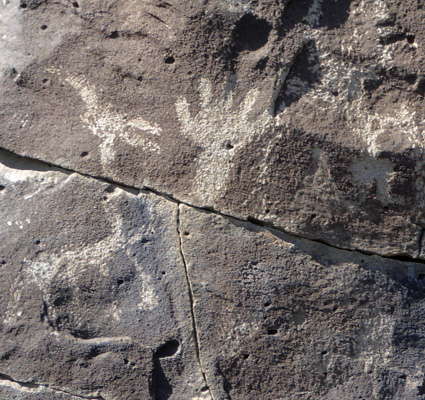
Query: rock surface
{"x": 94, "y": 294}
{"x": 212, "y": 199}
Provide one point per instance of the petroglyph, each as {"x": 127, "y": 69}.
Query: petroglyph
{"x": 221, "y": 129}
{"x": 71, "y": 263}
{"x": 341, "y": 87}
{"x": 110, "y": 125}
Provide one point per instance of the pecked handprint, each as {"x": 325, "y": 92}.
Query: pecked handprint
{"x": 220, "y": 129}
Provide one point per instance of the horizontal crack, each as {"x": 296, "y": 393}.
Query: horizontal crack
{"x": 32, "y": 385}
{"x": 171, "y": 198}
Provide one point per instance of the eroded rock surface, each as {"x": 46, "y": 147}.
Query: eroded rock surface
{"x": 285, "y": 318}
{"x": 94, "y": 298}
{"x": 306, "y": 114}
{"x": 147, "y": 148}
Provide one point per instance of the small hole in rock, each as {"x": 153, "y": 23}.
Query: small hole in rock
{"x": 75, "y": 4}
{"x": 204, "y": 389}
{"x": 125, "y": 361}
{"x": 84, "y": 154}
{"x": 335, "y": 93}
{"x": 245, "y": 356}
{"x": 169, "y": 60}
{"x": 113, "y": 35}
{"x": 229, "y": 146}
{"x": 271, "y": 332}
{"x": 37, "y": 242}
{"x": 267, "y": 304}
{"x": 120, "y": 282}
{"x": 163, "y": 273}
{"x": 23, "y": 5}
{"x": 139, "y": 59}
{"x": 267, "y": 210}
{"x": 186, "y": 233}
{"x": 324, "y": 352}
{"x": 45, "y": 80}
{"x": 43, "y": 27}
{"x": 168, "y": 349}
{"x": 2, "y": 187}
{"x": 403, "y": 376}
{"x": 140, "y": 78}
{"x": 145, "y": 240}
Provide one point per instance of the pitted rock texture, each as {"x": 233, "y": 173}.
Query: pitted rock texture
{"x": 307, "y": 115}
{"x": 284, "y": 318}
{"x": 94, "y": 295}
{"x": 212, "y": 200}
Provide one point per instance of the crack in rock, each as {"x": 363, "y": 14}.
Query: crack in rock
{"x": 192, "y": 306}
{"x": 170, "y": 197}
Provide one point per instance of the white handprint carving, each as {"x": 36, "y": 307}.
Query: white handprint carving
{"x": 220, "y": 129}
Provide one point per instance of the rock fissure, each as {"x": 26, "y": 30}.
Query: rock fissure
{"x": 192, "y": 305}
{"x": 33, "y": 385}
{"x": 420, "y": 241}
{"x": 254, "y": 221}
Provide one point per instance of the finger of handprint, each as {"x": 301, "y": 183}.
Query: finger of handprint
{"x": 183, "y": 113}
{"x": 140, "y": 123}
{"x": 205, "y": 92}
{"x": 249, "y": 101}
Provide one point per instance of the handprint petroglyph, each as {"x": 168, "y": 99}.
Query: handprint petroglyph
{"x": 220, "y": 129}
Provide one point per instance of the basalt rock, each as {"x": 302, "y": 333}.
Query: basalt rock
{"x": 212, "y": 199}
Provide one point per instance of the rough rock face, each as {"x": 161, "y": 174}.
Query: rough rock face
{"x": 212, "y": 199}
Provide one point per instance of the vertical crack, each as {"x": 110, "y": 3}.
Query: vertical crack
{"x": 421, "y": 238}
{"x": 192, "y": 306}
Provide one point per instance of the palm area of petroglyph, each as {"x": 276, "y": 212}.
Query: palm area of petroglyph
{"x": 221, "y": 129}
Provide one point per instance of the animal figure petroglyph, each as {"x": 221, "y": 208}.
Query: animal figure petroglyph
{"x": 110, "y": 125}
{"x": 69, "y": 264}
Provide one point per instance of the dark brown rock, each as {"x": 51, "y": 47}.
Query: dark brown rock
{"x": 308, "y": 115}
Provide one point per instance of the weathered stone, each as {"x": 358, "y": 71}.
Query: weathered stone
{"x": 212, "y": 200}
{"x": 305, "y": 114}
{"x": 280, "y": 317}
{"x": 94, "y": 299}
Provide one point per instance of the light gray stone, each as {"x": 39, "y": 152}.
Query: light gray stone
{"x": 285, "y": 318}
{"x": 94, "y": 298}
